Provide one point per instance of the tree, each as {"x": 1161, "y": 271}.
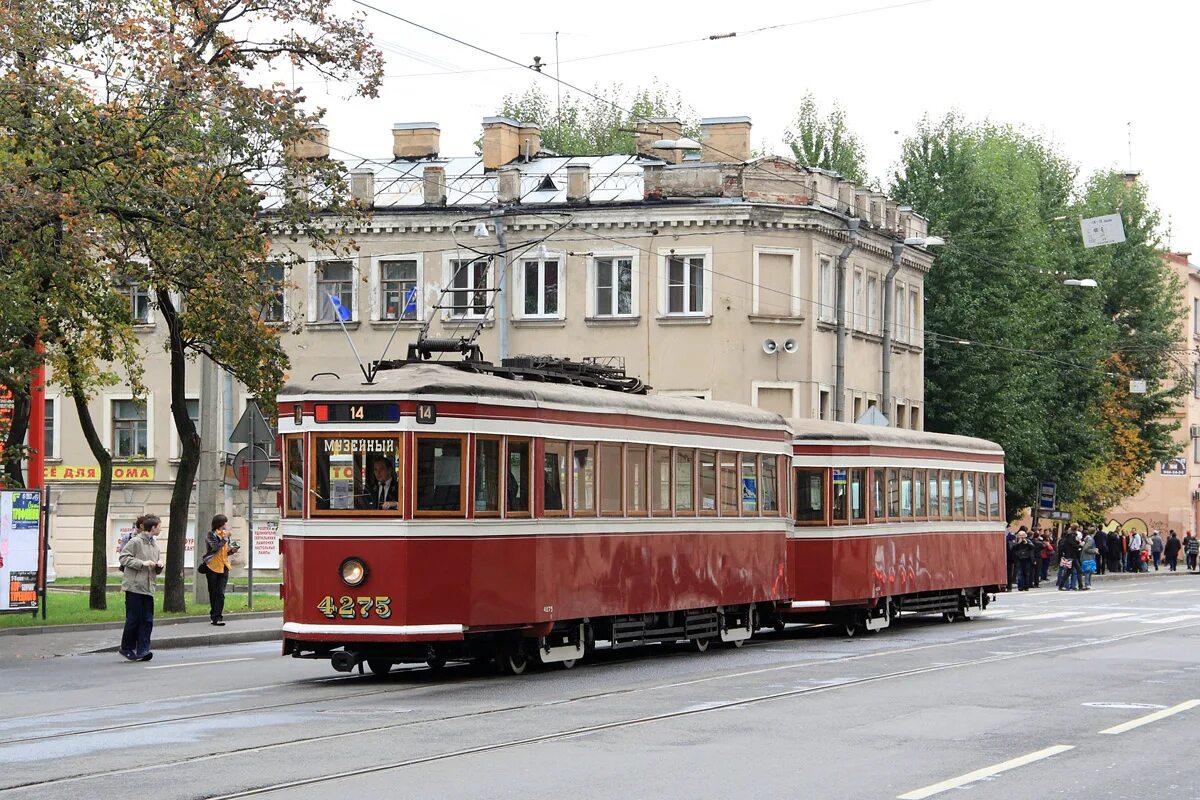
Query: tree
{"x": 826, "y": 141}
{"x": 585, "y": 125}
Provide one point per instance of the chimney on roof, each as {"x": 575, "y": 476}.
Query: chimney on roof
{"x": 362, "y": 187}
{"x": 501, "y": 141}
{"x": 530, "y": 136}
{"x": 314, "y": 145}
{"x": 649, "y": 131}
{"x": 579, "y": 183}
{"x": 1131, "y": 177}
{"x": 414, "y": 140}
{"x": 725, "y": 139}
{"x": 433, "y": 185}
{"x": 508, "y": 185}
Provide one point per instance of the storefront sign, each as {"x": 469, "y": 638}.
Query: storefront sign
{"x": 124, "y": 473}
{"x": 1176, "y": 466}
{"x": 20, "y": 535}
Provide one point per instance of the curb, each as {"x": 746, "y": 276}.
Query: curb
{"x": 116, "y": 626}
{"x": 204, "y": 640}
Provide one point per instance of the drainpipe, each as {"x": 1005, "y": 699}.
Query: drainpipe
{"x": 501, "y": 286}
{"x": 839, "y": 399}
{"x": 888, "y": 299}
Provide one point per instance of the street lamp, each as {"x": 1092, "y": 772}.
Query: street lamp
{"x": 888, "y": 311}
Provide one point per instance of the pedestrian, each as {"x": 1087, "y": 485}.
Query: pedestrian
{"x": 1047, "y": 554}
{"x": 1023, "y": 555}
{"x": 1135, "y": 552}
{"x": 1191, "y": 549}
{"x": 1156, "y": 548}
{"x": 1010, "y": 539}
{"x": 1068, "y": 552}
{"x": 140, "y": 565}
{"x": 1171, "y": 551}
{"x": 1114, "y": 551}
{"x": 1088, "y": 554}
{"x": 1101, "y": 539}
{"x": 216, "y": 566}
{"x": 1035, "y": 571}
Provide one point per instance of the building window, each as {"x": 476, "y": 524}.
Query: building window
{"x": 1196, "y": 379}
{"x": 1196, "y": 317}
{"x": 823, "y": 403}
{"x": 873, "y": 304}
{"x": 192, "y": 405}
{"x": 1196, "y": 450}
{"x": 48, "y": 448}
{"x": 685, "y": 285}
{"x": 335, "y": 290}
{"x": 825, "y": 290}
{"x": 915, "y": 334}
{"x": 541, "y": 288}
{"x": 775, "y": 283}
{"x": 272, "y": 308}
{"x": 468, "y": 287}
{"x": 397, "y": 289}
{"x": 915, "y": 418}
{"x": 900, "y": 328}
{"x": 130, "y": 435}
{"x": 614, "y": 287}
{"x": 139, "y": 302}
{"x": 859, "y": 301}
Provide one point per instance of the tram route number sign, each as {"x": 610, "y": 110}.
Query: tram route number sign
{"x": 356, "y": 412}
{"x": 1047, "y": 495}
{"x": 426, "y": 413}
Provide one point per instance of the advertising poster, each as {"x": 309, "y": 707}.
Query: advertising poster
{"x": 20, "y": 527}
{"x": 266, "y": 545}
{"x": 122, "y": 530}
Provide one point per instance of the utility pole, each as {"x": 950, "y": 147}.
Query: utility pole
{"x": 839, "y": 372}
{"x": 888, "y": 298}
{"x": 209, "y": 473}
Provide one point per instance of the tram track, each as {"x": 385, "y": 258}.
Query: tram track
{"x": 599, "y": 727}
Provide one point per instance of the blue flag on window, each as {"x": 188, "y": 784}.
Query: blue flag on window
{"x": 410, "y": 302}
{"x": 342, "y": 312}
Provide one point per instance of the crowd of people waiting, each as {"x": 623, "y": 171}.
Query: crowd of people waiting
{"x": 1080, "y": 552}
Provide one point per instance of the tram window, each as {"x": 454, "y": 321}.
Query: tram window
{"x": 858, "y": 495}
{"x": 750, "y": 484}
{"x": 994, "y": 496}
{"x": 770, "y": 486}
{"x": 517, "y": 480}
{"x": 356, "y": 473}
{"x": 708, "y": 481}
{"x": 945, "y": 493}
{"x": 487, "y": 476}
{"x": 841, "y": 488}
{"x": 893, "y": 490}
{"x": 610, "y": 479}
{"x": 635, "y": 478}
{"x": 969, "y": 485}
{"x": 294, "y": 487}
{"x": 685, "y": 482}
{"x": 958, "y": 495}
{"x": 730, "y": 493}
{"x": 810, "y": 495}
{"x": 919, "y": 492}
{"x": 933, "y": 493}
{"x": 660, "y": 480}
{"x": 981, "y": 503}
{"x": 554, "y": 478}
{"x": 439, "y": 475}
{"x": 583, "y": 476}
{"x": 878, "y": 509}
{"x": 906, "y": 493}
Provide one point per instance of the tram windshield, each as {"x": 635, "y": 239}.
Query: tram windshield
{"x": 356, "y": 473}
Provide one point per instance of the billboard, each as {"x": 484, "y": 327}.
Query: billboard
{"x": 20, "y": 536}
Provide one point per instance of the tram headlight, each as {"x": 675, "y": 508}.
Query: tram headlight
{"x": 353, "y": 571}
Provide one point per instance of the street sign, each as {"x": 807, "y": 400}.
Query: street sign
{"x": 1137, "y": 386}
{"x": 1062, "y": 516}
{"x": 252, "y": 428}
{"x": 251, "y": 466}
{"x": 1099, "y": 231}
{"x": 1047, "y": 495}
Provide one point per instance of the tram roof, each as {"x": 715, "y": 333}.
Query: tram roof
{"x": 815, "y": 430}
{"x": 432, "y": 379}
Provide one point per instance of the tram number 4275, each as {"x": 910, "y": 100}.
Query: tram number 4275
{"x": 350, "y": 607}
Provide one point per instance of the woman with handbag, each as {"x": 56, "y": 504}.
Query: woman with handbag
{"x": 216, "y": 566}
{"x": 1088, "y": 554}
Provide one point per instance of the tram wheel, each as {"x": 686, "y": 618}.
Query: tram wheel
{"x": 701, "y": 645}
{"x": 379, "y": 666}
{"x": 568, "y": 664}
{"x": 951, "y": 616}
{"x": 850, "y": 628}
{"x": 738, "y": 644}
{"x": 512, "y": 662}
{"x": 779, "y": 626}
{"x": 436, "y": 663}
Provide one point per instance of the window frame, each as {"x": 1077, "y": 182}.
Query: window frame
{"x": 529, "y": 477}
{"x": 278, "y": 288}
{"x": 449, "y": 270}
{"x": 378, "y": 310}
{"x": 520, "y": 273}
{"x": 396, "y": 513}
{"x": 595, "y": 448}
{"x": 722, "y": 468}
{"x": 316, "y": 302}
{"x": 956, "y": 479}
{"x": 873, "y": 325}
{"x": 795, "y": 302}
{"x": 653, "y": 482}
{"x": 699, "y": 492}
{"x": 600, "y": 459}
{"x": 591, "y": 305}
{"x": 53, "y": 417}
{"x": 705, "y": 254}
{"x": 629, "y": 449}
{"x": 110, "y": 420}
{"x": 826, "y": 477}
{"x": 825, "y": 291}
{"x": 285, "y": 465}
{"x": 565, "y": 478}
{"x": 464, "y": 494}
{"x": 502, "y": 476}
{"x": 921, "y": 477}
{"x": 132, "y": 290}
{"x": 675, "y": 509}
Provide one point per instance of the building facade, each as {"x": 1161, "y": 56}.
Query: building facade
{"x": 1170, "y": 497}
{"x": 704, "y": 271}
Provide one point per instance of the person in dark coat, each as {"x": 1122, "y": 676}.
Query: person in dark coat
{"x": 1069, "y": 577}
{"x": 1114, "y": 551}
{"x": 1171, "y": 550}
{"x": 1023, "y": 554}
{"x": 1101, "y": 539}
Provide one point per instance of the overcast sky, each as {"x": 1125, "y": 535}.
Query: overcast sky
{"x": 1085, "y": 75}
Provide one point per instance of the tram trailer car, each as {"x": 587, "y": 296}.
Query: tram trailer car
{"x": 891, "y": 521}
{"x": 440, "y": 514}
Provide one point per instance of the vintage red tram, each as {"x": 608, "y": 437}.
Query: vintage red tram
{"x": 442, "y": 512}
{"x": 890, "y": 521}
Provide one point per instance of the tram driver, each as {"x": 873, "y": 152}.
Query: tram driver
{"x": 382, "y": 492}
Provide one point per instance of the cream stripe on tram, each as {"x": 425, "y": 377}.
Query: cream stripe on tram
{"x": 877, "y": 529}
{"x": 507, "y": 528}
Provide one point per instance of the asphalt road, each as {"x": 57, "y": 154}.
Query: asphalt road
{"x": 1049, "y": 695}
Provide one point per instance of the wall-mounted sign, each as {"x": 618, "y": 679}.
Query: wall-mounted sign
{"x": 91, "y": 472}
{"x": 1176, "y": 466}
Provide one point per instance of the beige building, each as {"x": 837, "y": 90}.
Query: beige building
{"x": 708, "y": 272}
{"x": 1170, "y": 497}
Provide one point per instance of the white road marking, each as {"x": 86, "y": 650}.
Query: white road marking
{"x": 1052, "y": 615}
{"x": 1173, "y": 591}
{"x": 986, "y": 772}
{"x": 1169, "y": 620}
{"x": 1127, "y": 591}
{"x": 1155, "y": 717}
{"x": 200, "y": 663}
{"x": 1102, "y": 617}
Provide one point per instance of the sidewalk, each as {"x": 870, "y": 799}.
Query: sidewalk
{"x": 27, "y": 644}
{"x": 1131, "y": 578}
